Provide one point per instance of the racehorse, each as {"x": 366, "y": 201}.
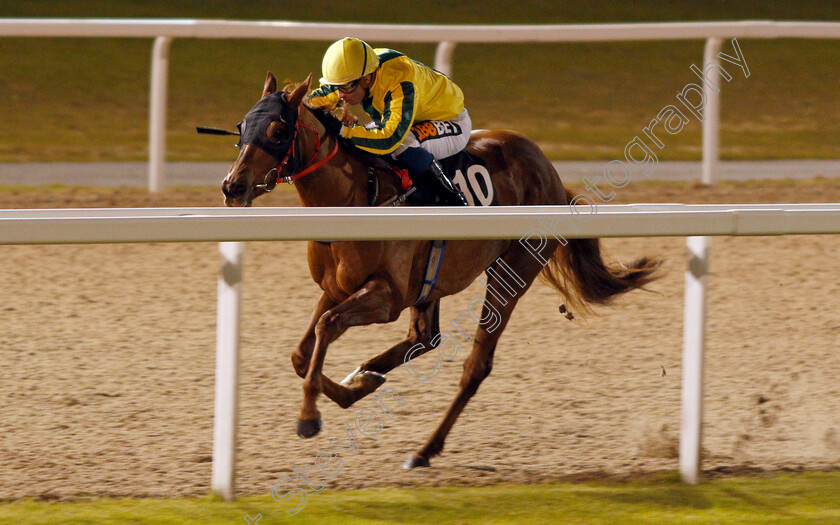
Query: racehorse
{"x": 373, "y": 281}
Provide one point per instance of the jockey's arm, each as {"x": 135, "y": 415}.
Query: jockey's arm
{"x": 324, "y": 96}
{"x": 395, "y": 123}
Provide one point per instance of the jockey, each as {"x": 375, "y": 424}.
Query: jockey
{"x": 418, "y": 113}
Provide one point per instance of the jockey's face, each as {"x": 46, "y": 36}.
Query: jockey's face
{"x": 358, "y": 93}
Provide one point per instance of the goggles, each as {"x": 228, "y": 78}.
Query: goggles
{"x": 349, "y": 87}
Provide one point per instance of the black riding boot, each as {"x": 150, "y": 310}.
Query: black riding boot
{"x": 444, "y": 188}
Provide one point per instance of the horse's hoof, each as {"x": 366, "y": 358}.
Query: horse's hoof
{"x": 414, "y": 462}
{"x": 306, "y": 428}
{"x": 374, "y": 379}
{"x": 364, "y": 382}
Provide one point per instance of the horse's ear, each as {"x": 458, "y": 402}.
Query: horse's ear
{"x": 270, "y": 84}
{"x": 296, "y": 96}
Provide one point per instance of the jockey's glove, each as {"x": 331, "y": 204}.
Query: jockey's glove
{"x": 333, "y": 126}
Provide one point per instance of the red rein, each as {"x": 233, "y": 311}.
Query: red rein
{"x": 310, "y": 167}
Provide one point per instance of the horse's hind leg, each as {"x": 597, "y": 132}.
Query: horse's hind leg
{"x": 424, "y": 327}
{"x": 498, "y": 307}
{"x": 373, "y": 303}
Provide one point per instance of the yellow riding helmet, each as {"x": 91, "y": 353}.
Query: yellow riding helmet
{"x": 347, "y": 60}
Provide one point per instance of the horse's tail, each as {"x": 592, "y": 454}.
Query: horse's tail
{"x": 578, "y": 271}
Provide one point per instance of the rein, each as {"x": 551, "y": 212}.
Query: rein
{"x": 290, "y": 154}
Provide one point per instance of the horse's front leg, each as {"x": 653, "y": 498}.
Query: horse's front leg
{"x": 343, "y": 395}
{"x": 373, "y": 303}
{"x": 302, "y": 355}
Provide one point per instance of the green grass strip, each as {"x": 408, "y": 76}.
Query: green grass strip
{"x": 811, "y": 497}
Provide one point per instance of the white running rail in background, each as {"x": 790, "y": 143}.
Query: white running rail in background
{"x": 164, "y": 30}
{"x": 505, "y": 222}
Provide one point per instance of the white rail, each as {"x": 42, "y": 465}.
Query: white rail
{"x": 163, "y": 31}
{"x": 288, "y": 30}
{"x": 265, "y": 224}
{"x": 504, "y": 222}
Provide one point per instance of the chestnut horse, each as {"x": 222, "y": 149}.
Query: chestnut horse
{"x": 373, "y": 281}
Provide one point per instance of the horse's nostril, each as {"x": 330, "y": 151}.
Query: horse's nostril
{"x": 233, "y": 189}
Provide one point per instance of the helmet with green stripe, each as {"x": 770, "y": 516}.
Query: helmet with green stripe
{"x": 347, "y": 60}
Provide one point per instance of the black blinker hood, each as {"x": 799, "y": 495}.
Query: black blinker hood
{"x": 253, "y": 128}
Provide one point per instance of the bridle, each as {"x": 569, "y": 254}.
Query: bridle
{"x": 272, "y": 177}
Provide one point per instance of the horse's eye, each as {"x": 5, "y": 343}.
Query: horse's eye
{"x": 241, "y": 129}
{"x": 277, "y": 131}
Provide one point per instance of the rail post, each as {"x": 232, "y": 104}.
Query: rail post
{"x": 443, "y": 57}
{"x": 157, "y": 112}
{"x": 227, "y": 370}
{"x": 711, "y": 115}
{"x": 694, "y": 328}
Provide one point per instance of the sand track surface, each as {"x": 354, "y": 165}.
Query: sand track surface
{"x": 108, "y": 356}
